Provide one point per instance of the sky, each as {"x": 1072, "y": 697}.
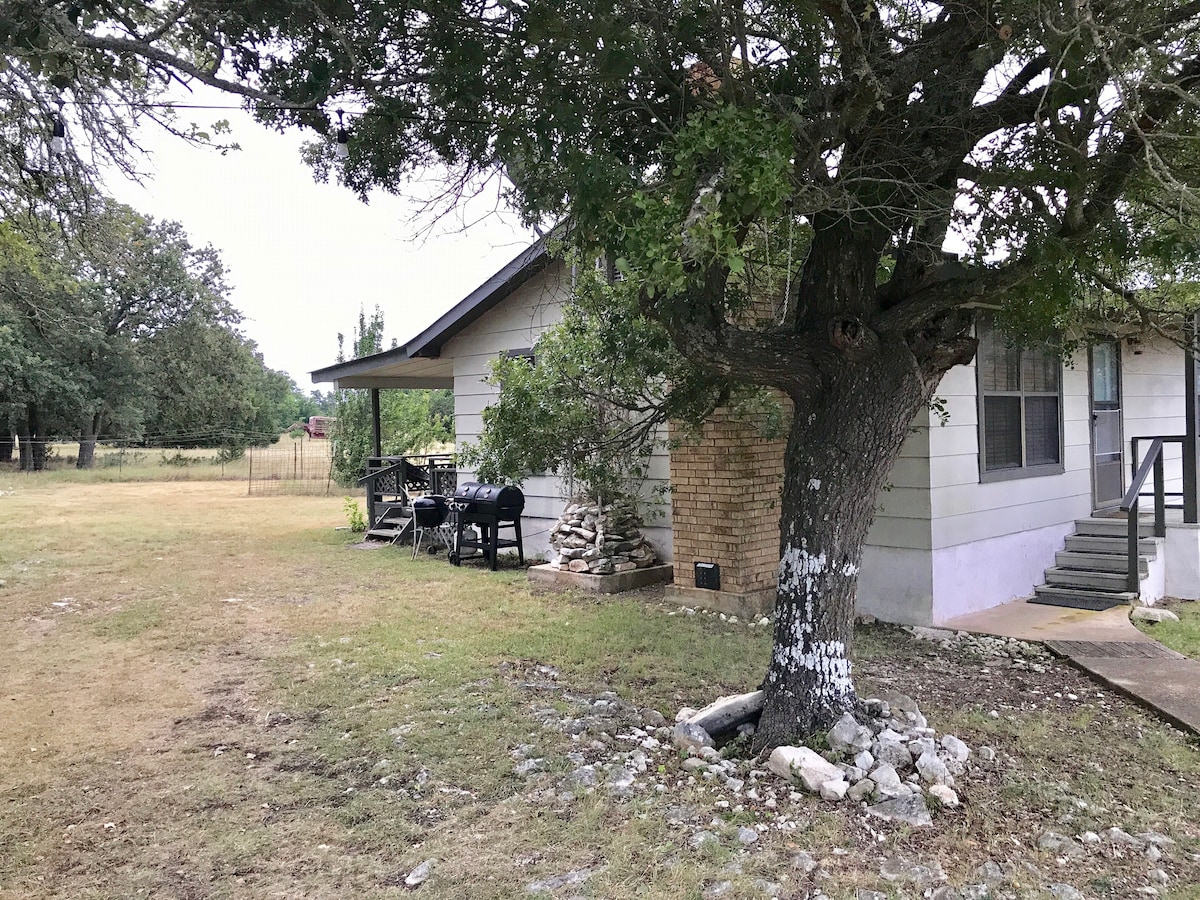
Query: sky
{"x": 303, "y": 257}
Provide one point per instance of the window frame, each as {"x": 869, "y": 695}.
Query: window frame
{"x": 1024, "y": 470}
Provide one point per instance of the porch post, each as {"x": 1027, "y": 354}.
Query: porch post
{"x": 376, "y": 439}
{"x": 1189, "y": 440}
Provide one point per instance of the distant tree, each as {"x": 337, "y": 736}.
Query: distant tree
{"x": 351, "y": 438}
{"x": 140, "y": 279}
{"x": 40, "y": 386}
{"x": 210, "y": 388}
{"x": 410, "y": 421}
{"x": 125, "y": 331}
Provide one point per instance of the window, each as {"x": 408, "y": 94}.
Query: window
{"x": 525, "y": 353}
{"x": 1020, "y": 408}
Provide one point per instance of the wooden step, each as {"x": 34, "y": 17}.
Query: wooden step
{"x": 1050, "y": 595}
{"x": 1096, "y": 562}
{"x": 1116, "y": 546}
{"x": 386, "y": 534}
{"x": 1102, "y": 527}
{"x": 1089, "y": 581}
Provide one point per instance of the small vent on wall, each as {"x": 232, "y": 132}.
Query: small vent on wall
{"x": 708, "y": 576}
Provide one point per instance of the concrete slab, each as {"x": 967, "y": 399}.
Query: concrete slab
{"x": 600, "y": 584}
{"x": 1108, "y": 647}
{"x": 758, "y": 603}
{"x": 1168, "y": 687}
{"x": 1033, "y": 622}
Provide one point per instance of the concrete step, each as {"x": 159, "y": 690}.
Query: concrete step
{"x": 1115, "y": 546}
{"x": 1080, "y": 599}
{"x": 1103, "y": 527}
{"x": 385, "y": 534}
{"x": 1096, "y": 562}
{"x": 1090, "y": 581}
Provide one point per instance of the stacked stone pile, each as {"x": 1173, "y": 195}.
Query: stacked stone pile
{"x": 600, "y": 540}
{"x": 888, "y": 758}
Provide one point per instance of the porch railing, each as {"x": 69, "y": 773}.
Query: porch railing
{"x": 390, "y": 480}
{"x": 1152, "y": 463}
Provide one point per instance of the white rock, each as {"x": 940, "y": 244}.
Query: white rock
{"x": 1152, "y": 614}
{"x": 834, "y": 790}
{"x": 922, "y": 745}
{"x": 944, "y": 795}
{"x": 891, "y": 748}
{"x": 861, "y": 791}
{"x": 689, "y": 736}
{"x": 865, "y": 761}
{"x": 849, "y": 737}
{"x": 956, "y": 748}
{"x": 684, "y": 714}
{"x": 911, "y": 810}
{"x": 932, "y": 769}
{"x": 887, "y": 782}
{"x": 804, "y": 862}
{"x": 421, "y": 873}
{"x": 804, "y": 765}
{"x": 853, "y": 773}
{"x": 987, "y": 754}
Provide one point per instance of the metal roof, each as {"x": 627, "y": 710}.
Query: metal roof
{"x": 418, "y": 363}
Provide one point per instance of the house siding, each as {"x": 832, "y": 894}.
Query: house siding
{"x": 895, "y": 581}
{"x": 992, "y": 541}
{"x": 1152, "y": 398}
{"x": 515, "y": 324}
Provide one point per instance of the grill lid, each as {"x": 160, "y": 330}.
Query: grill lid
{"x": 489, "y": 496}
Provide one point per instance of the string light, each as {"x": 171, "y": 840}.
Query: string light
{"x": 58, "y": 134}
{"x": 341, "y": 149}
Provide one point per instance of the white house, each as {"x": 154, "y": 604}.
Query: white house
{"x": 1015, "y": 495}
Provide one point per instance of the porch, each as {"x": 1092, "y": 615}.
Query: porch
{"x": 391, "y": 484}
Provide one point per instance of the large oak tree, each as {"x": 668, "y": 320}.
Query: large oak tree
{"x": 1057, "y": 138}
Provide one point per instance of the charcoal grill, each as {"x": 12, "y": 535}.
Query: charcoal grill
{"x": 488, "y": 507}
{"x": 430, "y": 517}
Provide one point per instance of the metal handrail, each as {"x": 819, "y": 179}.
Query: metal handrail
{"x": 1153, "y": 462}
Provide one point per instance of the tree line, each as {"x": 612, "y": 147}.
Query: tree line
{"x": 115, "y": 326}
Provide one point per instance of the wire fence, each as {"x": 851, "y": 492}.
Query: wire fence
{"x": 303, "y": 466}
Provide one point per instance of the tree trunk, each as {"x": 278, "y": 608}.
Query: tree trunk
{"x": 33, "y": 441}
{"x": 6, "y": 444}
{"x": 88, "y": 433}
{"x": 840, "y": 452}
{"x": 87, "y": 454}
{"x": 24, "y": 459}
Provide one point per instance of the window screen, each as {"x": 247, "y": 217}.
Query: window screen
{"x": 1020, "y": 405}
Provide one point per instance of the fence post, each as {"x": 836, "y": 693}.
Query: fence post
{"x": 250, "y": 476}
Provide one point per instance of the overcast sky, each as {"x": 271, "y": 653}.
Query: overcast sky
{"x": 303, "y": 257}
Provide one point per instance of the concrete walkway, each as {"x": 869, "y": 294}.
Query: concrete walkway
{"x": 1108, "y": 647}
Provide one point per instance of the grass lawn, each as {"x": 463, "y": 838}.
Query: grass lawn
{"x": 210, "y": 695}
{"x": 1182, "y": 636}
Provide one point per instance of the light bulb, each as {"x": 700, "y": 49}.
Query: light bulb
{"x": 58, "y": 137}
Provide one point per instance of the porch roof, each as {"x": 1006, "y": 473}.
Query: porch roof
{"x": 419, "y": 362}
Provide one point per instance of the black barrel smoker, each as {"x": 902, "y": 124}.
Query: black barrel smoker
{"x": 488, "y": 507}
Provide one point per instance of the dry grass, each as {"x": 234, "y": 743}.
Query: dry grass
{"x": 207, "y": 695}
